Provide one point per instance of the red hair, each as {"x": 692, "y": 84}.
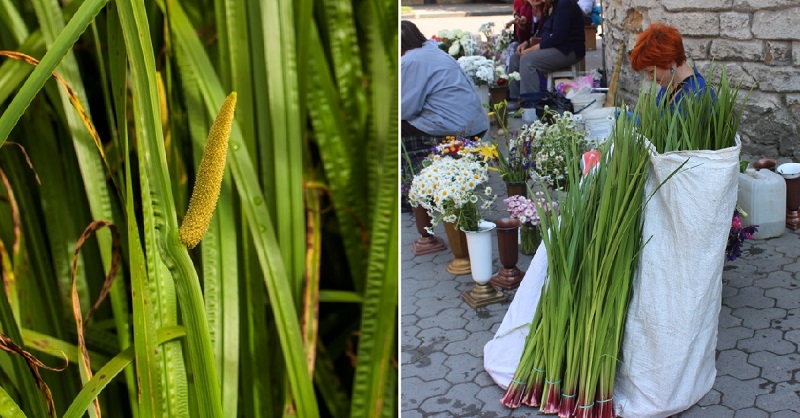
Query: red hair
{"x": 659, "y": 45}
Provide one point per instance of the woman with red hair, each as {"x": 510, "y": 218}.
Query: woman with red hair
{"x": 659, "y": 54}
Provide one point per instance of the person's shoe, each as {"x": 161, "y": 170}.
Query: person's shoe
{"x": 512, "y": 105}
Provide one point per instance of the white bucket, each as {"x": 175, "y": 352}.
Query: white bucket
{"x": 588, "y": 101}
{"x": 599, "y": 123}
{"x": 529, "y": 116}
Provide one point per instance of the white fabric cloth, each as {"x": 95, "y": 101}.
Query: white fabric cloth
{"x": 668, "y": 350}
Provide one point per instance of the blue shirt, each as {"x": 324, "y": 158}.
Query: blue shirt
{"x": 437, "y": 97}
{"x": 692, "y": 85}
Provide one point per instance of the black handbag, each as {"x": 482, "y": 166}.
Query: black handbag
{"x": 542, "y": 100}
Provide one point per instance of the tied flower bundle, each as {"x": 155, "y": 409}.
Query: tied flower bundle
{"x": 527, "y": 210}
{"x": 549, "y": 145}
{"x": 514, "y": 167}
{"x": 456, "y": 42}
{"x": 495, "y": 47}
{"x": 739, "y": 232}
{"x": 453, "y": 190}
{"x": 569, "y": 361}
{"x": 455, "y": 147}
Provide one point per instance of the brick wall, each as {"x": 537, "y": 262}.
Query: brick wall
{"x": 758, "y": 42}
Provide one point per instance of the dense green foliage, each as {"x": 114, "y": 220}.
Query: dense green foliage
{"x": 288, "y": 306}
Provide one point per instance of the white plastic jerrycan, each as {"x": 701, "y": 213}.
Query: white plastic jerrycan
{"x": 762, "y": 194}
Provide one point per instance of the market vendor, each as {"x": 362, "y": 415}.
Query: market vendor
{"x": 660, "y": 55}
{"x": 437, "y": 98}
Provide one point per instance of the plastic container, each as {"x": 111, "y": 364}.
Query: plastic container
{"x": 588, "y": 102}
{"x": 762, "y": 194}
{"x": 599, "y": 123}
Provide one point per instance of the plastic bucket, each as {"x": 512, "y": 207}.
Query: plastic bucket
{"x": 583, "y": 103}
{"x": 599, "y": 123}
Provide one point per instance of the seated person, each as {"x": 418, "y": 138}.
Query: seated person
{"x": 525, "y": 18}
{"x": 437, "y": 97}
{"x": 562, "y": 43}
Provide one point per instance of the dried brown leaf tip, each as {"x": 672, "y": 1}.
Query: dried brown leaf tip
{"x": 209, "y": 176}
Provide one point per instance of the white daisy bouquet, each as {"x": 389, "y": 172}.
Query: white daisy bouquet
{"x": 549, "y": 143}
{"x": 453, "y": 190}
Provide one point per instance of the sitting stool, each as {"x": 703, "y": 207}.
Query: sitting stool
{"x": 571, "y": 71}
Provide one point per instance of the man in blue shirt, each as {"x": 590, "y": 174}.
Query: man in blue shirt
{"x": 437, "y": 97}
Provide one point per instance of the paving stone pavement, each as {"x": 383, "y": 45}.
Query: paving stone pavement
{"x": 758, "y": 363}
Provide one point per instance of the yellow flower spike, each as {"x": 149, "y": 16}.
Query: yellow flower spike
{"x": 209, "y": 176}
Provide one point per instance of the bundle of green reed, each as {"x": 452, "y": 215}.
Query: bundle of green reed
{"x": 705, "y": 120}
{"x": 568, "y": 364}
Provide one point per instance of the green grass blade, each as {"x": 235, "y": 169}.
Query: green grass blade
{"x": 58, "y": 348}
{"x": 10, "y": 16}
{"x": 375, "y": 379}
{"x": 57, "y": 51}
{"x": 287, "y": 140}
{"x": 111, "y": 369}
{"x": 175, "y": 255}
{"x": 258, "y": 219}
{"x": 117, "y": 74}
{"x": 326, "y": 118}
{"x": 9, "y": 408}
{"x": 13, "y": 72}
{"x": 32, "y": 399}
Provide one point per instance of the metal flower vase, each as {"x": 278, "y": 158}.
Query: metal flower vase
{"x": 427, "y": 243}
{"x": 517, "y": 189}
{"x": 480, "y": 257}
{"x": 458, "y": 245}
{"x": 509, "y": 277}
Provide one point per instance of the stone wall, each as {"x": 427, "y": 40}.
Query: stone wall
{"x": 758, "y": 42}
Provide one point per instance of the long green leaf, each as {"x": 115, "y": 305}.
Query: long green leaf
{"x": 111, "y": 370}
{"x": 9, "y": 408}
{"x": 258, "y": 219}
{"x": 175, "y": 255}
{"x": 59, "y": 48}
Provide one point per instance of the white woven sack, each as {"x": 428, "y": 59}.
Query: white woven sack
{"x": 668, "y": 349}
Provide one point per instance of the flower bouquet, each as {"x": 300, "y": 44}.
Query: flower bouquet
{"x": 738, "y": 234}
{"x": 526, "y": 211}
{"x": 456, "y": 42}
{"x": 496, "y": 45}
{"x": 549, "y": 142}
{"x": 501, "y": 78}
{"x": 479, "y": 68}
{"x": 455, "y": 146}
{"x": 451, "y": 190}
{"x": 514, "y": 167}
